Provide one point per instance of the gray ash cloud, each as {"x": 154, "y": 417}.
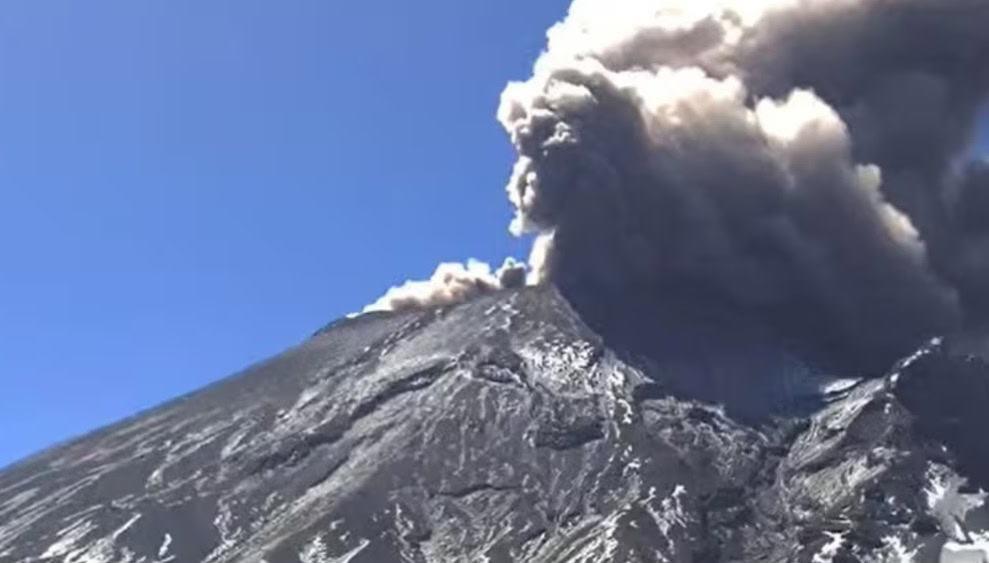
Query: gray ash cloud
{"x": 800, "y": 160}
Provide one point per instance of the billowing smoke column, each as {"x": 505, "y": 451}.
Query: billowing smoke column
{"x": 798, "y": 159}
{"x": 795, "y": 158}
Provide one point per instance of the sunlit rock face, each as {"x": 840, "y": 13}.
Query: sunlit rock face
{"x": 505, "y": 429}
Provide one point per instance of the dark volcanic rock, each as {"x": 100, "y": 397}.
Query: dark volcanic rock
{"x": 504, "y": 429}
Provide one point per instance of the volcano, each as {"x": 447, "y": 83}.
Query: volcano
{"x": 506, "y": 429}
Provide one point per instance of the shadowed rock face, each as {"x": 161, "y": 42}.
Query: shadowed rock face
{"x": 504, "y": 429}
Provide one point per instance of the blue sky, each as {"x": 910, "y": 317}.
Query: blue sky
{"x": 187, "y": 187}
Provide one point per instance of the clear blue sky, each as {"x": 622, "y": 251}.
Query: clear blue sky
{"x": 189, "y": 186}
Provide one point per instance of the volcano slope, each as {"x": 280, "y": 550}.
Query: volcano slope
{"x": 504, "y": 429}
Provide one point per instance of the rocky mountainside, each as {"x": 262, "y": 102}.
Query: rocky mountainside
{"x": 504, "y": 429}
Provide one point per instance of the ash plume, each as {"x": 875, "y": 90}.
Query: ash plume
{"x": 967, "y": 248}
{"x": 792, "y": 157}
{"x": 799, "y": 160}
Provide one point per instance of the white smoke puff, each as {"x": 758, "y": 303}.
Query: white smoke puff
{"x": 451, "y": 283}
{"x": 718, "y": 143}
{"x": 542, "y": 248}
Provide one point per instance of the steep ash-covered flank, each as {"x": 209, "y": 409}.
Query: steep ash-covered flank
{"x": 503, "y": 429}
